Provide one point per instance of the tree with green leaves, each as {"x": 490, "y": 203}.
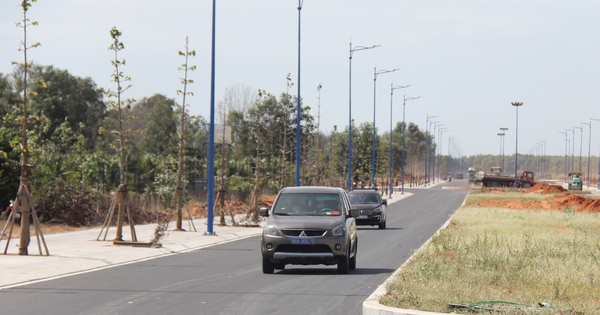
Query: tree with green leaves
{"x": 121, "y": 132}
{"x": 185, "y": 67}
{"x": 24, "y": 201}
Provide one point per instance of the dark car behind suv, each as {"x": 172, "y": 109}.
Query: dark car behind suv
{"x": 372, "y": 207}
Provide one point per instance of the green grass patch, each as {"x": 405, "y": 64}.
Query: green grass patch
{"x": 494, "y": 254}
{"x": 477, "y": 197}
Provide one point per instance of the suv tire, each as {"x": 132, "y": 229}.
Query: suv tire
{"x": 382, "y": 225}
{"x": 352, "y": 262}
{"x": 267, "y": 266}
{"x": 343, "y": 266}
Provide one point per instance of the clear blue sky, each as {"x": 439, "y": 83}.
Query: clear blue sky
{"x": 467, "y": 59}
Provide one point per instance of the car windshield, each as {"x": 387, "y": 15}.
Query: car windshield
{"x": 364, "y": 199}
{"x": 308, "y": 204}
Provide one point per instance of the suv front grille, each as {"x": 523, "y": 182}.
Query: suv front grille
{"x": 307, "y": 232}
{"x": 303, "y": 248}
{"x": 366, "y": 212}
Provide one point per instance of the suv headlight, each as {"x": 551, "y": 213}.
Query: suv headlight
{"x": 338, "y": 230}
{"x": 271, "y": 230}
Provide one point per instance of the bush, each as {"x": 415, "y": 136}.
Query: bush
{"x": 69, "y": 205}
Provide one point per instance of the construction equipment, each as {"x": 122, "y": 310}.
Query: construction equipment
{"x": 575, "y": 181}
{"x": 525, "y": 179}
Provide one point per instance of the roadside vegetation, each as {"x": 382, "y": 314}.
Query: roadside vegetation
{"x": 547, "y": 260}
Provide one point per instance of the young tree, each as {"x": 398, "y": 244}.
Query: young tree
{"x": 24, "y": 200}
{"x": 185, "y": 67}
{"x": 121, "y": 144}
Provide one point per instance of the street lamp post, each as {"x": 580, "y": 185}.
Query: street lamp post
{"x": 375, "y": 73}
{"x": 589, "y": 152}
{"x": 403, "y": 137}
{"x": 298, "y": 119}
{"x": 565, "y": 133}
{"x": 427, "y": 148}
{"x": 572, "y": 151}
{"x": 503, "y": 130}
{"x": 598, "y": 157}
{"x": 580, "y": 144}
{"x": 517, "y": 105}
{"x": 435, "y": 125}
{"x": 390, "y": 189}
{"x": 440, "y": 151}
{"x": 352, "y": 50}
{"x": 211, "y": 141}
{"x": 501, "y": 134}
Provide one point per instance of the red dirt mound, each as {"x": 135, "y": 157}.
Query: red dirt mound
{"x": 573, "y": 200}
{"x": 539, "y": 187}
{"x": 553, "y": 189}
{"x": 591, "y": 205}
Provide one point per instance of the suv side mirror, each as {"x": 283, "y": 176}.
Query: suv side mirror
{"x": 263, "y": 211}
{"x": 354, "y": 213}
{"x": 384, "y": 202}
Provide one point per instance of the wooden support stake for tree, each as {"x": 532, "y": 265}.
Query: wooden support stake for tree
{"x": 24, "y": 198}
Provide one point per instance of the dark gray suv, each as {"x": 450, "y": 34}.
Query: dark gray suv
{"x": 372, "y": 207}
{"x": 309, "y": 226}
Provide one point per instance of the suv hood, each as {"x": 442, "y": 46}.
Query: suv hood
{"x": 360, "y": 206}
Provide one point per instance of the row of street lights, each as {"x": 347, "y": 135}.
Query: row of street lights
{"x": 567, "y": 142}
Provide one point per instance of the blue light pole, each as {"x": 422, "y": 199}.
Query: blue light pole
{"x": 298, "y": 128}
{"x": 211, "y": 140}
{"x": 403, "y": 137}
{"x": 517, "y": 105}
{"x": 352, "y": 50}
{"x": 390, "y": 190}
{"x": 375, "y": 73}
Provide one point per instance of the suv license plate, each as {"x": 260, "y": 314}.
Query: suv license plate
{"x": 363, "y": 217}
{"x": 303, "y": 241}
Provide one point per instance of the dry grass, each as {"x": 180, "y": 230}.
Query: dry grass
{"x": 524, "y": 257}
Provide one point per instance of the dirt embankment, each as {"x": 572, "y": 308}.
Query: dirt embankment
{"x": 562, "y": 200}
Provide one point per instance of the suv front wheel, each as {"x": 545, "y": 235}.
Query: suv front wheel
{"x": 267, "y": 266}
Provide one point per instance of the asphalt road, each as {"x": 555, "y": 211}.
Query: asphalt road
{"x": 227, "y": 279}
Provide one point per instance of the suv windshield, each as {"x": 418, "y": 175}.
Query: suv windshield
{"x": 308, "y": 204}
{"x": 363, "y": 198}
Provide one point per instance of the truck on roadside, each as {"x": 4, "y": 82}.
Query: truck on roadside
{"x": 525, "y": 179}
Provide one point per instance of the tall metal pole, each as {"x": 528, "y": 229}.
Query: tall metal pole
{"x": 352, "y": 50}
{"x": 598, "y": 158}
{"x": 588, "y": 175}
{"x": 440, "y": 151}
{"x": 298, "y": 116}
{"x": 375, "y": 73}
{"x": 427, "y": 149}
{"x": 573, "y": 153}
{"x": 580, "y": 145}
{"x": 390, "y": 181}
{"x": 501, "y": 142}
{"x": 517, "y": 105}
{"x": 565, "y": 133}
{"x": 211, "y": 140}
{"x": 503, "y": 129}
{"x": 403, "y": 134}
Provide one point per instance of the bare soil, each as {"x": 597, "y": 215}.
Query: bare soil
{"x": 562, "y": 200}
